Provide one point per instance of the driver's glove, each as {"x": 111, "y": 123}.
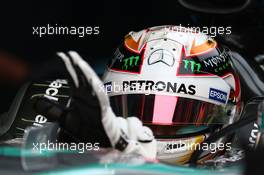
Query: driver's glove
{"x": 88, "y": 116}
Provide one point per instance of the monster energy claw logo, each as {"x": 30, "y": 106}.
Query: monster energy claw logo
{"x": 130, "y": 62}
{"x": 194, "y": 66}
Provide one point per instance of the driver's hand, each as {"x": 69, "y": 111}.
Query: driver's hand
{"x": 89, "y": 118}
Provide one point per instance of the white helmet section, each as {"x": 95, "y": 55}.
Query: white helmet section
{"x": 162, "y": 84}
{"x": 163, "y": 48}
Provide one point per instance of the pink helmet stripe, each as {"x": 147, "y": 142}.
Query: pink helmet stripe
{"x": 164, "y": 107}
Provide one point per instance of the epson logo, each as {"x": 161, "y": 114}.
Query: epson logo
{"x": 218, "y": 95}
{"x": 147, "y": 85}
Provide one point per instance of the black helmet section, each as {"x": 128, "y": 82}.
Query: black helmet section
{"x": 21, "y": 113}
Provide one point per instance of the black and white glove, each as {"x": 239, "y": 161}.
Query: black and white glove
{"x": 88, "y": 116}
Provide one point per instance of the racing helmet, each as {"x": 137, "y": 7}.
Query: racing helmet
{"x": 180, "y": 83}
